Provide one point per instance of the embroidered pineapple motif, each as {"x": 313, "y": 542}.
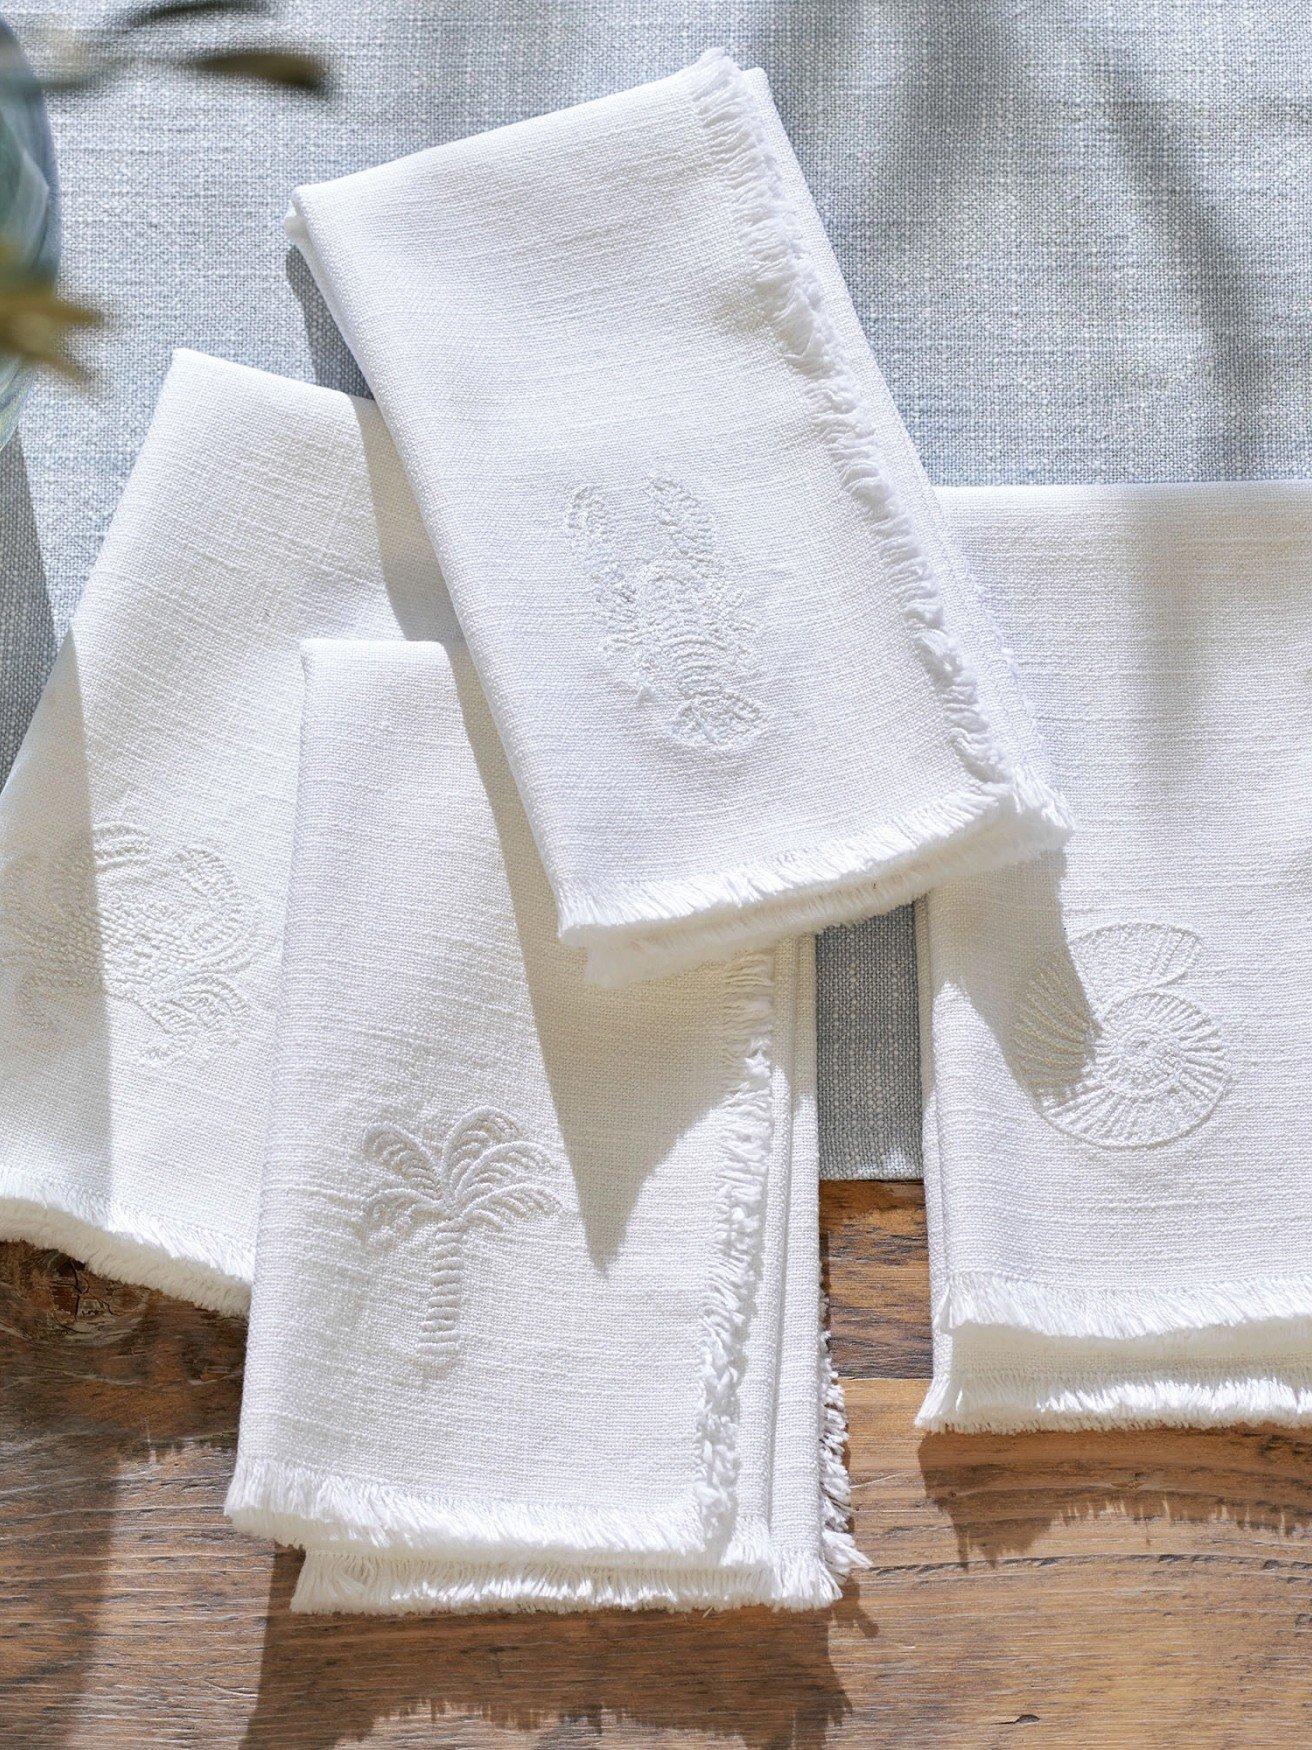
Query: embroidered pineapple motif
{"x": 677, "y": 631}
{"x": 1109, "y": 1053}
{"x": 485, "y": 1178}
{"x": 116, "y": 916}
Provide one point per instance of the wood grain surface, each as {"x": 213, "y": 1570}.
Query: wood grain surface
{"x": 1065, "y": 1589}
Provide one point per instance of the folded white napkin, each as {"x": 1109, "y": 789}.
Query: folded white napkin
{"x": 1118, "y": 1155}
{"x": 145, "y": 831}
{"x": 535, "y": 1309}
{"x": 743, "y": 683}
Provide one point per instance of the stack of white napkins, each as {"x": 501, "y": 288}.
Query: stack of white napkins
{"x": 573, "y": 1229}
{"x": 536, "y": 1308}
{"x": 536, "y": 1282}
{"x": 478, "y": 975}
{"x": 1118, "y": 1158}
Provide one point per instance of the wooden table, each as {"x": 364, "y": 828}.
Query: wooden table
{"x": 1064, "y": 1589}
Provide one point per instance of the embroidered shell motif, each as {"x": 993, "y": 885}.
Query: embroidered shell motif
{"x": 485, "y": 1178}
{"x": 1110, "y": 1053}
{"x": 119, "y": 917}
{"x": 677, "y": 631}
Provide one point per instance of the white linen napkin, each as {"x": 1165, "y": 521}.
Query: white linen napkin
{"x": 1118, "y": 1156}
{"x": 145, "y": 830}
{"x": 743, "y": 683}
{"x": 535, "y": 1310}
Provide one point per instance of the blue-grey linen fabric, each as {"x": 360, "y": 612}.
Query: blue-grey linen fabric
{"x": 1079, "y": 233}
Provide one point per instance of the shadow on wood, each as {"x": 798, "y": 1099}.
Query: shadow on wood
{"x": 100, "y": 1379}
{"x": 759, "y": 1678}
{"x": 1003, "y": 1493}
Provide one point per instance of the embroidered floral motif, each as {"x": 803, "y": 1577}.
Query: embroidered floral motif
{"x": 1108, "y": 1053}
{"x": 486, "y": 1177}
{"x": 677, "y": 631}
{"x": 118, "y": 917}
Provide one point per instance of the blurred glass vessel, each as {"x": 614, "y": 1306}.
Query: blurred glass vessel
{"x": 29, "y": 202}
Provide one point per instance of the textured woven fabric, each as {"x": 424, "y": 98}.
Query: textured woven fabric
{"x": 145, "y": 829}
{"x": 867, "y": 1052}
{"x": 1118, "y": 1158}
{"x": 1078, "y": 237}
{"x": 536, "y": 1291}
{"x": 739, "y": 673}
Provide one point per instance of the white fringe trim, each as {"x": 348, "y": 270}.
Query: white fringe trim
{"x": 295, "y": 1504}
{"x": 332, "y": 1581}
{"x": 793, "y": 300}
{"x": 189, "y": 1263}
{"x": 352, "y": 1581}
{"x": 706, "y": 917}
{"x": 841, "y": 1555}
{"x": 981, "y": 1297}
{"x": 1014, "y": 1404}
{"x": 740, "y": 1229}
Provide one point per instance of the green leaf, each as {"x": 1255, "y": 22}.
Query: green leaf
{"x": 36, "y": 323}
{"x": 287, "y": 68}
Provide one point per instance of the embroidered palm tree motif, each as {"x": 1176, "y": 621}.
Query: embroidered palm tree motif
{"x": 115, "y": 916}
{"x": 677, "y": 631}
{"x": 1109, "y": 1052}
{"x": 485, "y": 1178}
